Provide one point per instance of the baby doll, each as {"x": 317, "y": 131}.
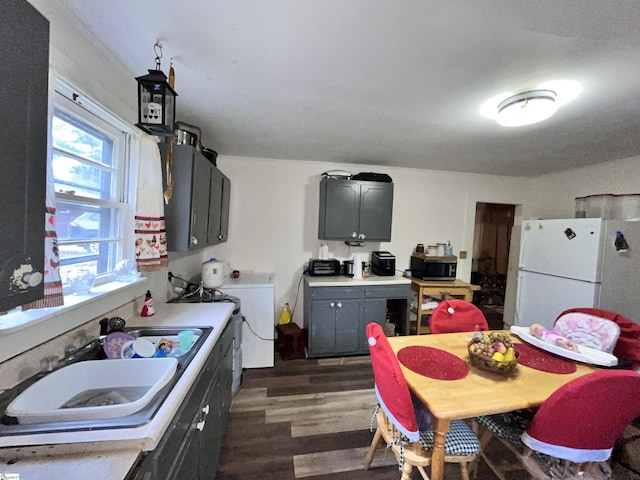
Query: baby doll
{"x": 551, "y": 336}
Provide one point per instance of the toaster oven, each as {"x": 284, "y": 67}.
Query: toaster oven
{"x": 330, "y": 267}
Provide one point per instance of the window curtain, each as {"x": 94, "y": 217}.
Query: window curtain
{"x": 52, "y": 283}
{"x": 150, "y": 233}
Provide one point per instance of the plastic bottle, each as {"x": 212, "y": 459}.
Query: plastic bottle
{"x": 285, "y": 315}
{"x": 147, "y": 308}
{"x": 448, "y": 249}
{"x": 620, "y": 242}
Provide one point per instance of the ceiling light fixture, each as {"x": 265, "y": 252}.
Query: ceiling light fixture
{"x": 527, "y": 108}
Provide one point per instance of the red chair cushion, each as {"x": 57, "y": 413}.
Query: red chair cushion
{"x": 452, "y": 316}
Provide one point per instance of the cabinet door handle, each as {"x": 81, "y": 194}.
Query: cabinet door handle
{"x": 362, "y": 236}
{"x": 200, "y": 425}
{"x": 220, "y": 237}
{"x": 354, "y": 234}
{"x": 205, "y": 410}
{"x": 194, "y": 241}
{"x": 332, "y": 304}
{"x": 339, "y": 305}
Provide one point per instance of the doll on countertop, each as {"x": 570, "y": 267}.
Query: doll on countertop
{"x": 551, "y": 336}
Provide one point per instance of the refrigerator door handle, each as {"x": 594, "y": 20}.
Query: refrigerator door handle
{"x": 516, "y": 320}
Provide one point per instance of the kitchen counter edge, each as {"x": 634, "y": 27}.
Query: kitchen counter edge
{"x": 342, "y": 281}
{"x": 109, "y": 454}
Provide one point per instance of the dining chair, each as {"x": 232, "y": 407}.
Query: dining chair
{"x": 404, "y": 423}
{"x": 574, "y": 430}
{"x": 451, "y": 316}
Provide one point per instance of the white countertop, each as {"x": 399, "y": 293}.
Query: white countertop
{"x": 109, "y": 454}
{"x": 343, "y": 281}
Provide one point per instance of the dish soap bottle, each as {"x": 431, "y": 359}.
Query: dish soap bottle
{"x": 285, "y": 315}
{"x": 448, "y": 249}
{"x": 147, "y": 309}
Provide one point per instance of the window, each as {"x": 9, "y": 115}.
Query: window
{"x": 89, "y": 161}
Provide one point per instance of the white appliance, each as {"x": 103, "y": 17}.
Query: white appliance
{"x": 257, "y": 297}
{"x": 572, "y": 263}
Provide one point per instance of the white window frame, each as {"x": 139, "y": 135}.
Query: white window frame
{"x": 79, "y": 104}
{"x": 117, "y": 199}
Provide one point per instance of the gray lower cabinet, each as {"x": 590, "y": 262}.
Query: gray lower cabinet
{"x": 336, "y": 317}
{"x": 353, "y": 210}
{"x": 387, "y": 303}
{"x": 190, "y": 448}
{"x": 197, "y": 214}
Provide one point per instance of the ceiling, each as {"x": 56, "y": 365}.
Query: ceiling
{"x": 384, "y": 83}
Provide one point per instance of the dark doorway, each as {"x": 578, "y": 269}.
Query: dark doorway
{"x": 491, "y": 241}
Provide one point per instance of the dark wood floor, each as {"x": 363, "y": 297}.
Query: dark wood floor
{"x": 310, "y": 419}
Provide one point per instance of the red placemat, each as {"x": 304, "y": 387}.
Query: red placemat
{"x": 537, "y": 359}
{"x": 433, "y": 363}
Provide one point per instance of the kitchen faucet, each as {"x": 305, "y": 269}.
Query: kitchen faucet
{"x": 109, "y": 325}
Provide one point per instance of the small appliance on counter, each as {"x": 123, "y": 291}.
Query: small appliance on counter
{"x": 212, "y": 274}
{"x": 358, "y": 266}
{"x": 427, "y": 267}
{"x": 383, "y": 264}
{"x": 347, "y": 267}
{"x": 329, "y": 267}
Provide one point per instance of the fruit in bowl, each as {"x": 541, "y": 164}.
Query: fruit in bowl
{"x": 493, "y": 351}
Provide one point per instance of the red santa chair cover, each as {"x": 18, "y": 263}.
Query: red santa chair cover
{"x": 582, "y": 420}
{"x": 390, "y": 385}
{"x": 452, "y": 316}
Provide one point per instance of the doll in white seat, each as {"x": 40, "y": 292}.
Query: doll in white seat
{"x": 553, "y": 337}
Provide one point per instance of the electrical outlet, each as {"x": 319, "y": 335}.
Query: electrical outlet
{"x": 463, "y": 254}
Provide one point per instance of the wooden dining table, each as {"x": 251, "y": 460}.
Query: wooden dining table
{"x": 480, "y": 392}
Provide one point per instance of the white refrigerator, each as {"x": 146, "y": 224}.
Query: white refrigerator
{"x": 571, "y": 263}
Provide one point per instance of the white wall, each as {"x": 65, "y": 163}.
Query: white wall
{"x": 553, "y": 196}
{"x": 96, "y": 72}
{"x": 274, "y": 215}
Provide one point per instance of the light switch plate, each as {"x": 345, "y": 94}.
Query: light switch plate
{"x": 463, "y": 254}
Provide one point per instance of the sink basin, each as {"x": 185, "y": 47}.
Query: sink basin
{"x": 93, "y": 390}
{"x": 94, "y": 352}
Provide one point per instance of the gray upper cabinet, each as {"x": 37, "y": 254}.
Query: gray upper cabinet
{"x": 197, "y": 214}
{"x": 353, "y": 210}
{"x": 24, "y": 54}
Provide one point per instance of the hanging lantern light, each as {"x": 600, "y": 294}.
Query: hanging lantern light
{"x": 156, "y": 101}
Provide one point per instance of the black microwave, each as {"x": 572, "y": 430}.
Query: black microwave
{"x": 426, "y": 267}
